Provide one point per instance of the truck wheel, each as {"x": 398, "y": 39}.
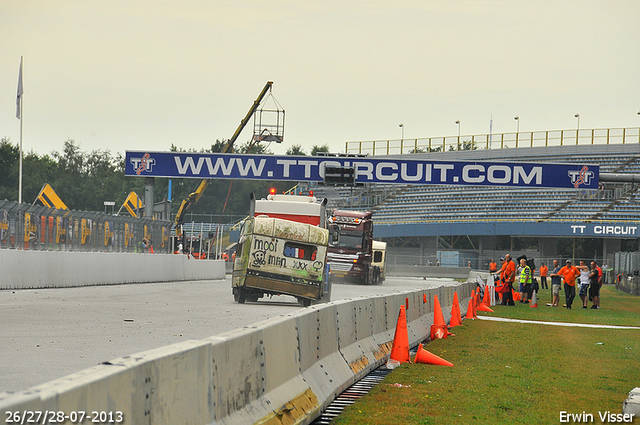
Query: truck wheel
{"x": 306, "y": 302}
{"x": 376, "y": 276}
{"x": 242, "y": 295}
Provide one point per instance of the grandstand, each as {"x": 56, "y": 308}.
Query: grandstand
{"x": 426, "y": 213}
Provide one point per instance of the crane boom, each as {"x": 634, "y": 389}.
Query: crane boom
{"x": 193, "y": 197}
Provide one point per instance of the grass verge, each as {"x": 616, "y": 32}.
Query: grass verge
{"x": 515, "y": 373}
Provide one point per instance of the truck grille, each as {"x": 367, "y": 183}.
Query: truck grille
{"x": 341, "y": 267}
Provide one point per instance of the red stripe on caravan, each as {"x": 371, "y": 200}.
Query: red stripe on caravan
{"x": 313, "y": 220}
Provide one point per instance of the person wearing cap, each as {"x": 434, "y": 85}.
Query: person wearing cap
{"x": 500, "y": 282}
{"x": 569, "y": 273}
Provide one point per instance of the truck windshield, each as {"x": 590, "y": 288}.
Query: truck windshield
{"x": 350, "y": 239}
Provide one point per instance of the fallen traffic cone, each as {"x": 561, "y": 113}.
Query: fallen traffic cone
{"x": 400, "y": 349}
{"x": 484, "y": 307}
{"x": 439, "y": 332}
{"x": 470, "y": 311}
{"x": 534, "y": 301}
{"x": 456, "y": 319}
{"x": 423, "y": 356}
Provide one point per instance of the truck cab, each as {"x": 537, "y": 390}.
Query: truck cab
{"x": 350, "y": 253}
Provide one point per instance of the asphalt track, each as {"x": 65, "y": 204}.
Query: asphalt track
{"x": 49, "y": 333}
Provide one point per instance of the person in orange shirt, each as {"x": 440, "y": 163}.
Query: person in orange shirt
{"x": 508, "y": 272}
{"x": 493, "y": 267}
{"x": 569, "y": 273}
{"x": 544, "y": 272}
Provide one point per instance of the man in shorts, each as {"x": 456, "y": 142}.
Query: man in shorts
{"x": 595, "y": 279}
{"x": 525, "y": 279}
{"x": 584, "y": 283}
{"x": 556, "y": 282}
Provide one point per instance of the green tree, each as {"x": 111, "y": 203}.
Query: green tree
{"x": 315, "y": 149}
{"x": 295, "y": 150}
{"x": 9, "y": 158}
{"x": 466, "y": 145}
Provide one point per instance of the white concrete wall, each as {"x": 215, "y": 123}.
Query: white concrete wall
{"x": 280, "y": 371}
{"x": 50, "y": 269}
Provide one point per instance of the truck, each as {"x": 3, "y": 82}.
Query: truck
{"x": 282, "y": 250}
{"x": 350, "y": 253}
{"x": 380, "y": 257}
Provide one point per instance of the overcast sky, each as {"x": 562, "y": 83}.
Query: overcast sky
{"x": 143, "y": 74}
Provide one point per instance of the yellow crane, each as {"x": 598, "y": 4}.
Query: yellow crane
{"x": 193, "y": 197}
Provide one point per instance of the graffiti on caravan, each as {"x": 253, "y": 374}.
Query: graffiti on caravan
{"x": 367, "y": 169}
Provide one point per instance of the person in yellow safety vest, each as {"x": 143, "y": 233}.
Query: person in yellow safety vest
{"x": 525, "y": 280}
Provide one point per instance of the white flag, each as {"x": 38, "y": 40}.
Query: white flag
{"x": 19, "y": 98}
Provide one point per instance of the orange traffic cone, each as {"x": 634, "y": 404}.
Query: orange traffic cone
{"x": 487, "y": 296}
{"x": 484, "y": 307}
{"x": 438, "y": 317}
{"x": 470, "y": 310}
{"x": 400, "y": 349}
{"x": 439, "y": 327}
{"x": 534, "y": 301}
{"x": 475, "y": 309}
{"x": 439, "y": 332}
{"x": 456, "y": 318}
{"x": 423, "y": 356}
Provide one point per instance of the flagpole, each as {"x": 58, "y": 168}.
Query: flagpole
{"x": 21, "y": 101}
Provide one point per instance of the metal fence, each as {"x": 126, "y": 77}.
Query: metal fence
{"x": 627, "y": 263}
{"x": 603, "y": 136}
{"x": 34, "y": 227}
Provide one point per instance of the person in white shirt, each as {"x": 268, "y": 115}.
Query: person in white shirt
{"x": 584, "y": 283}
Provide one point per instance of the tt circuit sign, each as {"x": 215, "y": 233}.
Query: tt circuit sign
{"x": 367, "y": 170}
{"x": 605, "y": 230}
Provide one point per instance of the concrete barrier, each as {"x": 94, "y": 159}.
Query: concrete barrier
{"x": 283, "y": 370}
{"x": 631, "y": 405}
{"x": 54, "y": 269}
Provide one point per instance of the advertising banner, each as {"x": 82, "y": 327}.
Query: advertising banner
{"x": 367, "y": 169}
